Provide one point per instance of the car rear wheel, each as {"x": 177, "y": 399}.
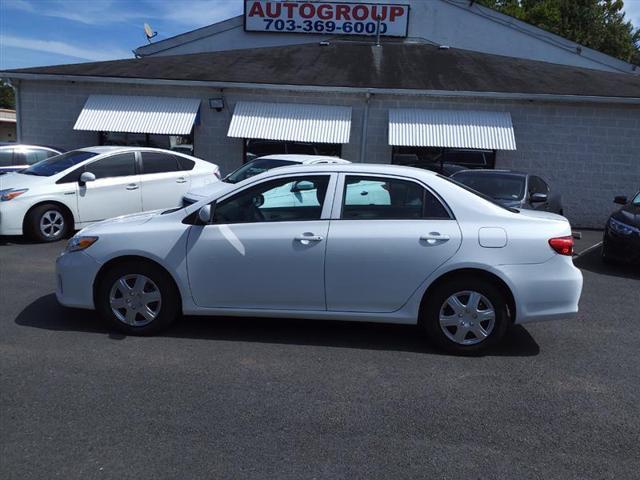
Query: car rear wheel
{"x": 137, "y": 298}
{"x": 47, "y": 223}
{"x": 466, "y": 316}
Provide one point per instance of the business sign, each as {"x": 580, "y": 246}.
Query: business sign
{"x": 330, "y": 18}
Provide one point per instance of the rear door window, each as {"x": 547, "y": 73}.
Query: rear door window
{"x": 156, "y": 162}
{"x": 382, "y": 198}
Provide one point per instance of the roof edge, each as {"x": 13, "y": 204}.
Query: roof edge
{"x": 544, "y": 97}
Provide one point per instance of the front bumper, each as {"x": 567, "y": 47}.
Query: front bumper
{"x": 75, "y": 274}
{"x": 545, "y": 291}
{"x": 11, "y": 217}
{"x": 620, "y": 246}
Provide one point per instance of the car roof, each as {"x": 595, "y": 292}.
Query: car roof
{"x": 305, "y": 159}
{"x": 489, "y": 171}
{"x": 29, "y": 145}
{"x": 359, "y": 168}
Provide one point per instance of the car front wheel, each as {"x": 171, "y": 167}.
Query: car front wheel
{"x": 137, "y": 298}
{"x": 47, "y": 223}
{"x": 466, "y": 316}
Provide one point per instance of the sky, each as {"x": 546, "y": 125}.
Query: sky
{"x": 50, "y": 32}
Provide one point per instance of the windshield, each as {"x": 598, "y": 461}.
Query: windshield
{"x": 479, "y": 194}
{"x": 57, "y": 164}
{"x": 499, "y": 186}
{"x": 255, "y": 167}
{"x": 636, "y": 201}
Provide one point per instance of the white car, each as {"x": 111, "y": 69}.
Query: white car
{"x": 81, "y": 187}
{"x": 261, "y": 165}
{"x": 17, "y": 156}
{"x": 430, "y": 253}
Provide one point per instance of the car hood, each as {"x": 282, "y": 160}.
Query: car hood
{"x": 131, "y": 219}
{"x": 18, "y": 180}
{"x": 201, "y": 193}
{"x": 629, "y": 214}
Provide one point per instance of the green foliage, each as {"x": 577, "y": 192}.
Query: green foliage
{"x": 7, "y": 98}
{"x": 597, "y": 24}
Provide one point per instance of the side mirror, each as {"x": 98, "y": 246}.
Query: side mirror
{"x": 538, "y": 197}
{"x": 86, "y": 177}
{"x": 205, "y": 214}
{"x": 621, "y": 200}
{"x": 303, "y": 186}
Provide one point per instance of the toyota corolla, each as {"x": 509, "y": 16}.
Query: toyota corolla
{"x": 374, "y": 243}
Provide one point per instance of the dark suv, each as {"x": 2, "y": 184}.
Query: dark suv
{"x": 621, "y": 239}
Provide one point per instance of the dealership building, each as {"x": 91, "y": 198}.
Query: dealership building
{"x": 413, "y": 82}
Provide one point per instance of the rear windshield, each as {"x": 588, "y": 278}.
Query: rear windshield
{"x": 501, "y": 186}
{"x": 255, "y": 167}
{"x": 57, "y": 164}
{"x": 479, "y": 194}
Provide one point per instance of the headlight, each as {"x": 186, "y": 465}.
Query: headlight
{"x": 10, "y": 194}
{"x": 80, "y": 243}
{"x": 622, "y": 228}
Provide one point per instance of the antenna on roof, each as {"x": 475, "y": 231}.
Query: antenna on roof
{"x": 148, "y": 31}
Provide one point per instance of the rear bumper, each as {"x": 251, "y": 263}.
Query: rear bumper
{"x": 546, "y": 291}
{"x": 75, "y": 274}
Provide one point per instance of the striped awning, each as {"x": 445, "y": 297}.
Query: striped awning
{"x": 451, "y": 129}
{"x": 291, "y": 122}
{"x": 138, "y": 114}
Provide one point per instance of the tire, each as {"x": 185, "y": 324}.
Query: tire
{"x": 137, "y": 298}
{"x": 47, "y": 223}
{"x": 458, "y": 334}
{"x": 606, "y": 257}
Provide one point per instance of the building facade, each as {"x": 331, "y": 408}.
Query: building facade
{"x": 497, "y": 92}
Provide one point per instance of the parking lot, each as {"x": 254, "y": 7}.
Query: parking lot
{"x": 258, "y": 398}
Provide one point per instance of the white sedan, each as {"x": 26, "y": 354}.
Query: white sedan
{"x": 427, "y": 251}
{"x": 75, "y": 189}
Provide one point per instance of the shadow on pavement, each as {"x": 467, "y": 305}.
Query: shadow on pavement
{"x": 592, "y": 262}
{"x": 46, "y": 313}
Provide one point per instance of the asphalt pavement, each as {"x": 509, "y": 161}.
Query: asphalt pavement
{"x": 255, "y": 398}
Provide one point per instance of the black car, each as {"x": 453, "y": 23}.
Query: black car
{"x": 621, "y": 239}
{"x": 512, "y": 189}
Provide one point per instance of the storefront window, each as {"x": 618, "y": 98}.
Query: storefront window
{"x": 261, "y": 148}
{"x": 443, "y": 160}
{"x": 178, "y": 143}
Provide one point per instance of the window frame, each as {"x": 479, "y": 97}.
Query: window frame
{"x": 326, "y": 208}
{"x": 338, "y": 203}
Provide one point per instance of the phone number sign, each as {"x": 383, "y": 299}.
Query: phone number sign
{"x": 332, "y": 18}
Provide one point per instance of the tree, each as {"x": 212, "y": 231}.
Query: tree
{"x": 597, "y": 24}
{"x": 7, "y": 98}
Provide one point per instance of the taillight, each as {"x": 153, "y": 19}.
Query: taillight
{"x": 562, "y": 245}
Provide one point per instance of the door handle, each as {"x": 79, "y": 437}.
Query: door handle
{"x": 434, "y": 238}
{"x": 305, "y": 239}
{"x": 132, "y": 186}
{"x": 181, "y": 180}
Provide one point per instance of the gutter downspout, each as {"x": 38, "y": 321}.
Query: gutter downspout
{"x": 16, "y": 96}
{"x": 365, "y": 126}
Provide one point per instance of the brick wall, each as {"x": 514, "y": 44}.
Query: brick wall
{"x": 588, "y": 152}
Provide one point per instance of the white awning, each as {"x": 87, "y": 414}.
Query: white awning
{"x": 137, "y": 114}
{"x": 291, "y": 122}
{"x": 451, "y": 129}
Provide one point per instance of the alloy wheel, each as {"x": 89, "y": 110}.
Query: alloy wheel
{"x": 135, "y": 300}
{"x": 51, "y": 224}
{"x": 467, "y": 318}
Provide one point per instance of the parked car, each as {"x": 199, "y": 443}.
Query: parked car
{"x": 513, "y": 189}
{"x": 428, "y": 252}
{"x": 621, "y": 239}
{"x": 16, "y": 156}
{"x": 261, "y": 165}
{"x": 75, "y": 189}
